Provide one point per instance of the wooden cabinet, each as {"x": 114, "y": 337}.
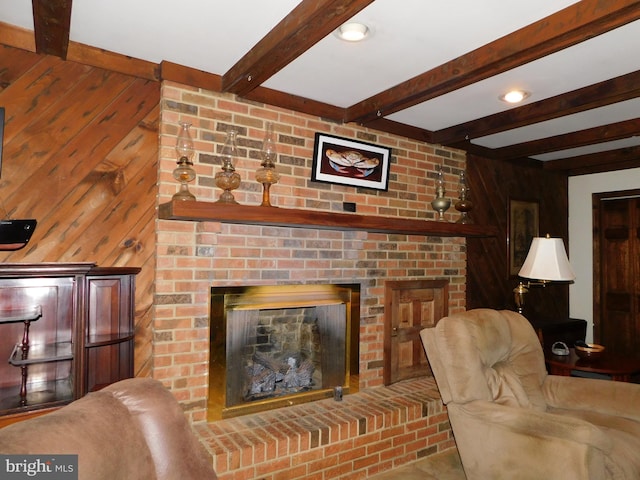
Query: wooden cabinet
{"x": 109, "y": 329}
{"x": 66, "y": 329}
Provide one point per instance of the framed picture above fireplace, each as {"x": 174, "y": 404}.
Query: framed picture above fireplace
{"x": 349, "y": 162}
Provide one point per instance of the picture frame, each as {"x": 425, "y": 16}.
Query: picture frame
{"x": 524, "y": 225}
{"x": 344, "y": 161}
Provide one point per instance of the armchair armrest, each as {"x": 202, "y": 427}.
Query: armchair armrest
{"x": 557, "y": 446}
{"x": 530, "y": 422}
{"x": 603, "y": 396}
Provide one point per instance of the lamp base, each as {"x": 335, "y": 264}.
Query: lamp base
{"x": 519, "y": 294}
{"x": 184, "y": 193}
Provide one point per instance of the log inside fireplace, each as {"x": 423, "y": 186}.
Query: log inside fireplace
{"x": 280, "y": 345}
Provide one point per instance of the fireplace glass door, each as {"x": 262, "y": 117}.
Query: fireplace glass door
{"x": 273, "y": 346}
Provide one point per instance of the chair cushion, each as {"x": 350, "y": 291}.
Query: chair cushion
{"x": 492, "y": 355}
{"x": 505, "y": 386}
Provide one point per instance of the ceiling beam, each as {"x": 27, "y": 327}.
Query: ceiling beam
{"x": 401, "y": 129}
{"x": 302, "y": 28}
{"x": 590, "y": 136}
{"x": 52, "y": 21}
{"x": 479, "y": 151}
{"x": 572, "y": 25}
{"x": 600, "y": 94}
{"x": 296, "y": 103}
{"x": 612, "y": 160}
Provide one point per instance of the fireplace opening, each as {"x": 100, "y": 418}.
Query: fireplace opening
{"x": 273, "y": 346}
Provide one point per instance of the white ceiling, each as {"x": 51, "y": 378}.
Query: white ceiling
{"x": 408, "y": 37}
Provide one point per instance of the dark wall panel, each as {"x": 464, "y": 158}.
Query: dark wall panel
{"x": 492, "y": 184}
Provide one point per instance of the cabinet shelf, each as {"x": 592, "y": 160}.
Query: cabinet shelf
{"x": 40, "y": 395}
{"x": 45, "y": 353}
{"x": 297, "y": 218}
{"x": 21, "y": 314}
{"x": 107, "y": 339}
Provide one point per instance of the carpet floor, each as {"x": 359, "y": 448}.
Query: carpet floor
{"x": 442, "y": 466}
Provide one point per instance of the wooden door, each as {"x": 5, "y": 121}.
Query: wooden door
{"x": 617, "y": 270}
{"x": 410, "y": 306}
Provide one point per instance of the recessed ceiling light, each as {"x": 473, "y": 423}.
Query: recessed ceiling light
{"x": 352, "y": 32}
{"x": 514, "y": 96}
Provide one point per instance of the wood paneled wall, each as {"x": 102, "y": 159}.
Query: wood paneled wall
{"x": 488, "y": 281}
{"x": 80, "y": 156}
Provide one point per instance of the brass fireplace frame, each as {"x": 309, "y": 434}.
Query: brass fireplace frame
{"x": 226, "y": 299}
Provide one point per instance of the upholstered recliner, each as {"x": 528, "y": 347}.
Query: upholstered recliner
{"x": 511, "y": 420}
{"x": 131, "y": 430}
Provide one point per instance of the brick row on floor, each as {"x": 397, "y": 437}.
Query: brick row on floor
{"x": 366, "y": 433}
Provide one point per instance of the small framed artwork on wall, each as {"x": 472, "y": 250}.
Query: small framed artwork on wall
{"x": 523, "y": 227}
{"x": 349, "y": 162}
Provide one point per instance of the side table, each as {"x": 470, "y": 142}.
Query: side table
{"x": 619, "y": 367}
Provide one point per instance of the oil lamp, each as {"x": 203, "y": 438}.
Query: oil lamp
{"x": 228, "y": 179}
{"x": 440, "y": 204}
{"x": 267, "y": 174}
{"x": 184, "y": 172}
{"x": 464, "y": 204}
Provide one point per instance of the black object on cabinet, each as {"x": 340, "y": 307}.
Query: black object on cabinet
{"x": 66, "y": 328}
{"x": 567, "y": 331}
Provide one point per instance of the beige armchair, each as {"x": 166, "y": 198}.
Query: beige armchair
{"x": 511, "y": 420}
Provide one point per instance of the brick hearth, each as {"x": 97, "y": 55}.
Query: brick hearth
{"x": 366, "y": 433}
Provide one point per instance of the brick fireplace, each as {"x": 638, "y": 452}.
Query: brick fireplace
{"x": 194, "y": 256}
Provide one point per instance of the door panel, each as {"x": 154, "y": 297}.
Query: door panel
{"x": 616, "y": 319}
{"x": 410, "y": 306}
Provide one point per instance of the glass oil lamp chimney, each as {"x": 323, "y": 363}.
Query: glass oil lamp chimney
{"x": 184, "y": 172}
{"x": 440, "y": 204}
{"x": 464, "y": 204}
{"x": 228, "y": 179}
{"x": 267, "y": 174}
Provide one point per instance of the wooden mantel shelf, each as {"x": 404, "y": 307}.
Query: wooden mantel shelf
{"x": 285, "y": 217}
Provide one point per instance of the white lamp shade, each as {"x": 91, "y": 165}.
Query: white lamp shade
{"x": 547, "y": 260}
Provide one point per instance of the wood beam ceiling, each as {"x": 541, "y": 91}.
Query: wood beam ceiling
{"x": 563, "y": 29}
{"x": 600, "y": 94}
{"x": 312, "y": 20}
{"x": 590, "y": 136}
{"x": 609, "y": 161}
{"x": 302, "y": 28}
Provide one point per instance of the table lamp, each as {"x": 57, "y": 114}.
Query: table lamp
{"x": 546, "y": 262}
